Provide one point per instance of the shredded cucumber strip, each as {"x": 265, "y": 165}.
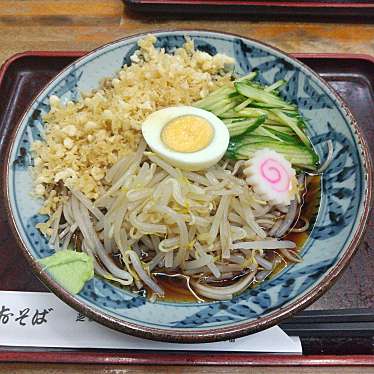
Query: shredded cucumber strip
{"x": 258, "y": 115}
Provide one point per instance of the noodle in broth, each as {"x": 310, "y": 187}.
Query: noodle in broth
{"x": 209, "y": 227}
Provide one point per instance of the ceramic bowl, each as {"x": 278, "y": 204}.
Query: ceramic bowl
{"x": 343, "y": 211}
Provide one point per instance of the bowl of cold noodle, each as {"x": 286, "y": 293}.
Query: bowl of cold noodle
{"x": 188, "y": 186}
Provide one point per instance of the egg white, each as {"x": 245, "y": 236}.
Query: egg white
{"x": 193, "y": 161}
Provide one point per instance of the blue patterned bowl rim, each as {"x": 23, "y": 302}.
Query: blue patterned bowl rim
{"x": 217, "y": 333}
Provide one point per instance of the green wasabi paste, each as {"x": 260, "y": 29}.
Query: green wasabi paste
{"x": 70, "y": 269}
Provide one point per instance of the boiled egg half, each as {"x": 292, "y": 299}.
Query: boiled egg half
{"x": 187, "y": 137}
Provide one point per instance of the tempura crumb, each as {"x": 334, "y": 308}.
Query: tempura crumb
{"x": 83, "y": 140}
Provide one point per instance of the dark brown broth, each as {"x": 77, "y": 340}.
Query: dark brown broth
{"x": 176, "y": 288}
{"x": 308, "y": 209}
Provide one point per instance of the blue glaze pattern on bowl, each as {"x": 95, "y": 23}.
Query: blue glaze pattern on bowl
{"x": 343, "y": 208}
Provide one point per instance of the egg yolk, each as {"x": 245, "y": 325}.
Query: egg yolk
{"x": 187, "y": 134}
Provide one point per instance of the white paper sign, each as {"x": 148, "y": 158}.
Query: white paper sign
{"x": 40, "y": 319}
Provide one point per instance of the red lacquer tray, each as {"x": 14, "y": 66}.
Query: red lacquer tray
{"x": 23, "y": 75}
{"x": 260, "y": 8}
